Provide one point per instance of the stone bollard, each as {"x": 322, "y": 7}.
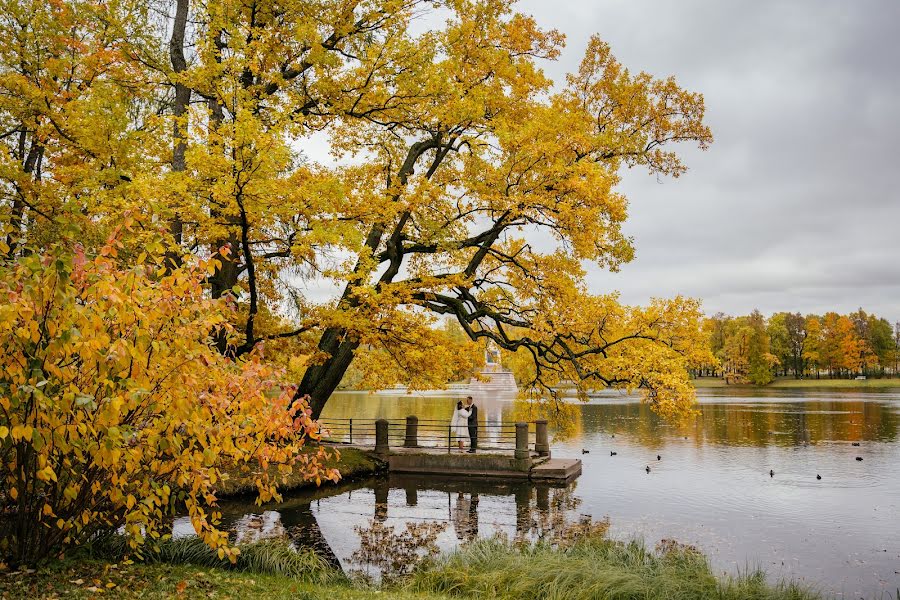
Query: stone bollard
{"x": 381, "y": 437}
{"x": 521, "y": 440}
{"x": 541, "y": 439}
{"x": 412, "y": 432}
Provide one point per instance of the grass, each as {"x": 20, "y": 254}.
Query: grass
{"x": 95, "y": 579}
{"x": 594, "y": 568}
{"x": 790, "y": 382}
{"x": 187, "y": 568}
{"x": 587, "y": 567}
{"x": 353, "y": 463}
{"x": 267, "y": 557}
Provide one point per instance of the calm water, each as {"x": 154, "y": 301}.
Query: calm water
{"x": 711, "y": 488}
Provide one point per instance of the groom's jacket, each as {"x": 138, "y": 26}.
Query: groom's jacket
{"x": 473, "y": 417}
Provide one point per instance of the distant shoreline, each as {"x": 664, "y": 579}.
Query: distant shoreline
{"x": 790, "y": 382}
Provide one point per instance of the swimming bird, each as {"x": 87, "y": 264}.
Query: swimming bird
{"x": 648, "y": 468}
{"x": 859, "y": 458}
{"x": 771, "y": 473}
{"x": 658, "y": 457}
{"x": 613, "y": 453}
{"x": 583, "y": 451}
{"x": 818, "y": 476}
{"x": 855, "y": 444}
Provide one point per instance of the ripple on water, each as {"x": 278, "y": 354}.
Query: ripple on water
{"x": 711, "y": 487}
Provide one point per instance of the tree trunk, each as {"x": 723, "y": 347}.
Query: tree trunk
{"x": 320, "y": 381}
{"x": 179, "y": 128}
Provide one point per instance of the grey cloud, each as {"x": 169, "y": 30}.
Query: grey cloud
{"x": 795, "y": 207}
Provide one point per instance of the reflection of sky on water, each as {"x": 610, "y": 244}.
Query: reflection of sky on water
{"x": 711, "y": 487}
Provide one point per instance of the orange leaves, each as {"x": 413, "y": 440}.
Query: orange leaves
{"x": 124, "y": 411}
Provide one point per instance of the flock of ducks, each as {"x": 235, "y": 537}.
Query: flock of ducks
{"x": 659, "y": 457}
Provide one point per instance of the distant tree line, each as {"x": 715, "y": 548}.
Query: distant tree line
{"x": 754, "y": 349}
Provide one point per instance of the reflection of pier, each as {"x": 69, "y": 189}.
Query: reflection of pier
{"x": 386, "y": 528}
{"x": 429, "y": 447}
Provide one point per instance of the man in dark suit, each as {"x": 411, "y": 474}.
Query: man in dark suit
{"x": 473, "y": 424}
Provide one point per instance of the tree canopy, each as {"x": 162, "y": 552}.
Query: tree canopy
{"x": 465, "y": 183}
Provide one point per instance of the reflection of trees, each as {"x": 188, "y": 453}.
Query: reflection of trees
{"x": 755, "y": 423}
{"x": 303, "y": 530}
{"x": 396, "y": 553}
{"x": 542, "y": 511}
{"x": 723, "y": 423}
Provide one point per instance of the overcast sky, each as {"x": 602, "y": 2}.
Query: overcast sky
{"x": 796, "y": 204}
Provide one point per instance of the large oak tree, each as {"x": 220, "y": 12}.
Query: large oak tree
{"x": 465, "y": 184}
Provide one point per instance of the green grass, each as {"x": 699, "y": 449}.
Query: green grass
{"x": 590, "y": 569}
{"x": 95, "y": 579}
{"x": 790, "y": 382}
{"x": 267, "y": 557}
{"x": 585, "y": 567}
{"x": 352, "y": 463}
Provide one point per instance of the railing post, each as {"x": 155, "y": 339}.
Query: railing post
{"x": 381, "y": 437}
{"x": 412, "y": 432}
{"x": 521, "y": 440}
{"x": 351, "y": 431}
{"x": 449, "y": 438}
{"x": 541, "y": 440}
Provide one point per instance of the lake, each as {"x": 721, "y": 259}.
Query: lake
{"x": 711, "y": 488}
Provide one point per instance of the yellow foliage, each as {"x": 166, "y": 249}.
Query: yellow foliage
{"x": 457, "y": 153}
{"x": 117, "y": 412}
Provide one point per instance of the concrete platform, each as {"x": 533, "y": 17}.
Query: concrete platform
{"x": 556, "y": 469}
{"x": 486, "y": 463}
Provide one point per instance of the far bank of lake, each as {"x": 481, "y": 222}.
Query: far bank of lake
{"x": 883, "y": 383}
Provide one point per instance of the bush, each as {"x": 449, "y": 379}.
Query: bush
{"x": 116, "y": 411}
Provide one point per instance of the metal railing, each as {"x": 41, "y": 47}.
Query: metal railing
{"x": 413, "y": 432}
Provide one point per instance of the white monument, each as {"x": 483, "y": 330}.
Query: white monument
{"x": 493, "y": 379}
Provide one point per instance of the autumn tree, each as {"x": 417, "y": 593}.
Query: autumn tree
{"x": 759, "y": 357}
{"x": 812, "y": 349}
{"x": 776, "y": 329}
{"x": 715, "y": 328}
{"x": 746, "y": 354}
{"x": 115, "y": 411}
{"x": 736, "y": 351}
{"x": 877, "y": 335}
{"x": 787, "y": 332}
{"x": 468, "y": 185}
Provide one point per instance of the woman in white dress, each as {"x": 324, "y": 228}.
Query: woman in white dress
{"x": 459, "y": 425}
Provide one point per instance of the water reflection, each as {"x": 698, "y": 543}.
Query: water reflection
{"x": 392, "y": 553}
{"x": 384, "y": 526}
{"x": 784, "y": 419}
{"x": 711, "y": 489}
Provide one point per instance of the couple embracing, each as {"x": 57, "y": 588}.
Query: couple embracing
{"x": 465, "y": 423}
